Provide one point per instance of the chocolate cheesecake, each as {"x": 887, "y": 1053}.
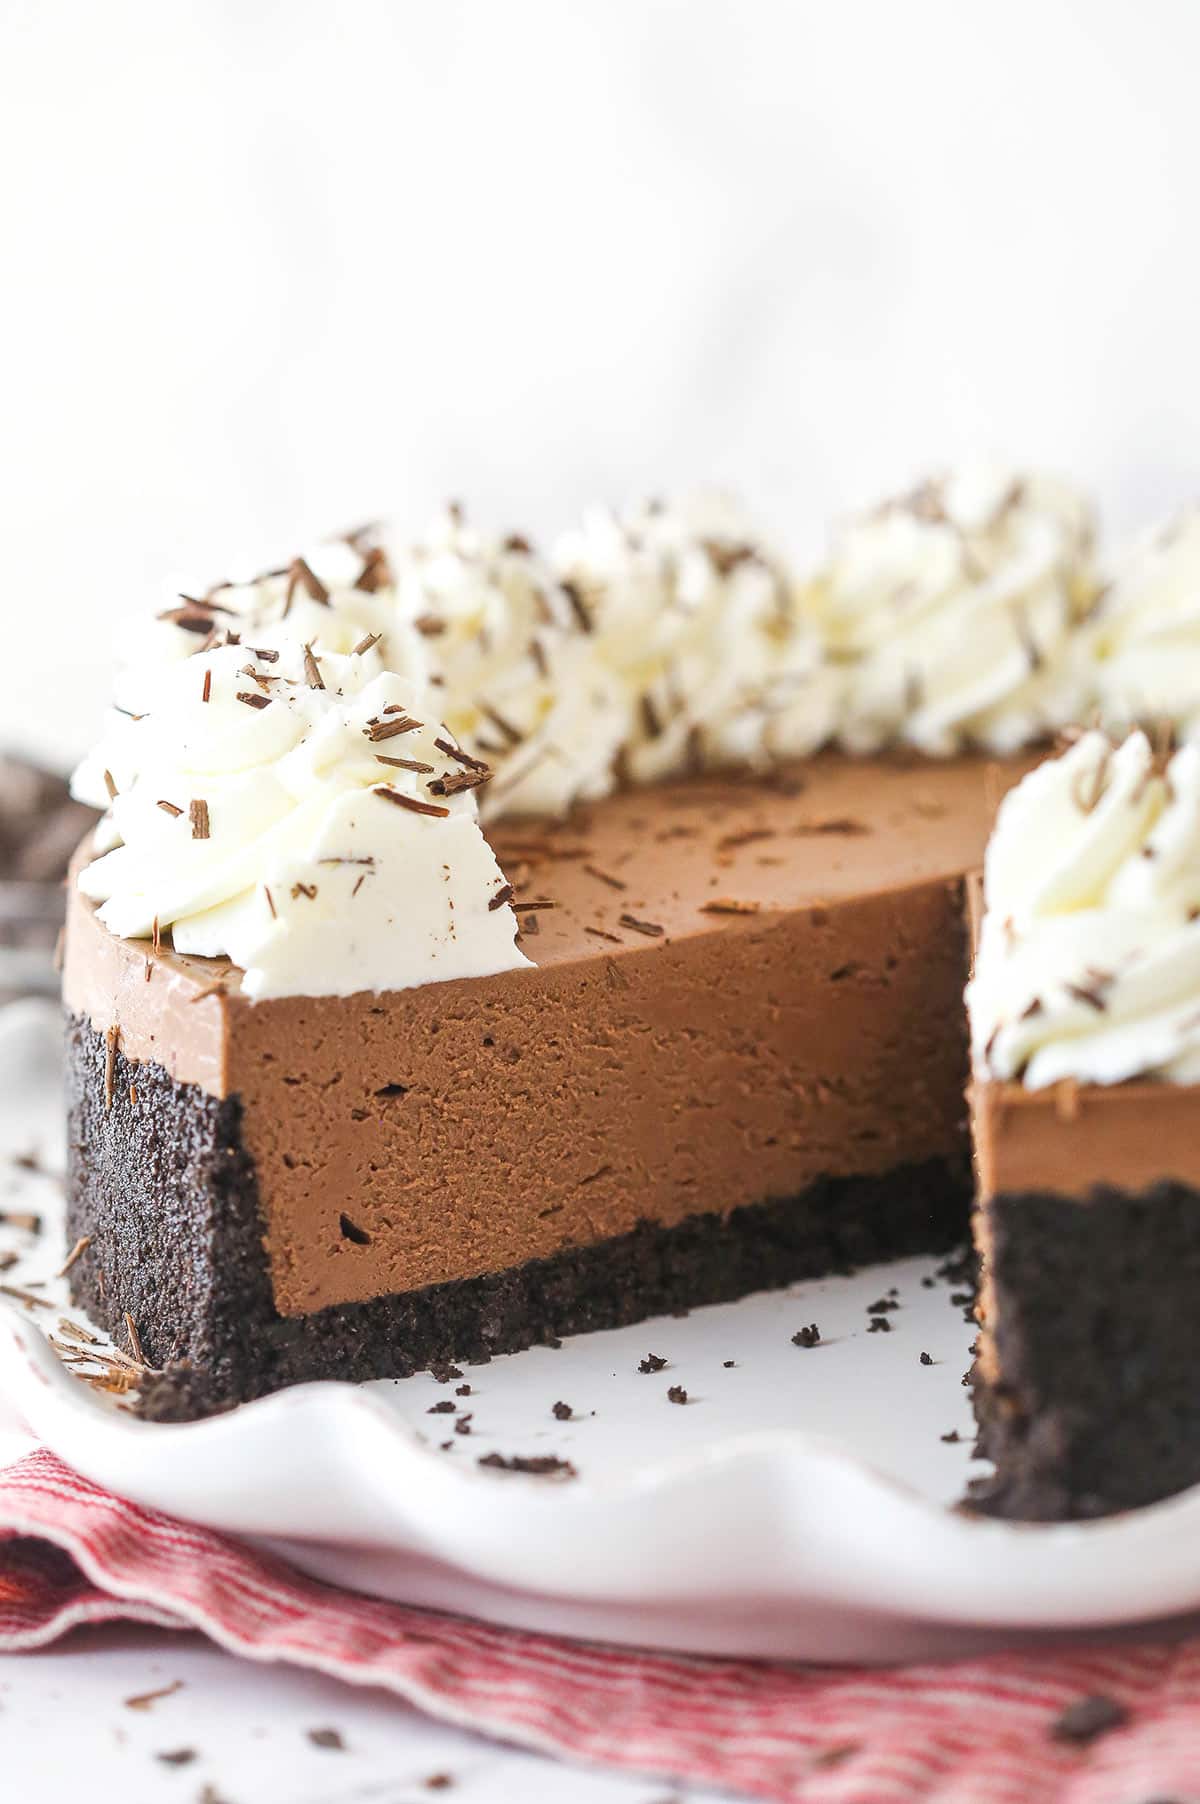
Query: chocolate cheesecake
{"x": 739, "y": 1059}
{"x": 476, "y": 949}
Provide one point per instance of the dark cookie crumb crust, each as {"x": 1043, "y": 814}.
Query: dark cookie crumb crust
{"x": 168, "y": 1196}
{"x": 1097, "y": 1332}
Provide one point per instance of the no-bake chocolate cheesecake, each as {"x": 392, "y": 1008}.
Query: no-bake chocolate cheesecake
{"x": 476, "y": 950}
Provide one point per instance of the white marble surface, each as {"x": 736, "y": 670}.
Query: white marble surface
{"x": 68, "y": 1734}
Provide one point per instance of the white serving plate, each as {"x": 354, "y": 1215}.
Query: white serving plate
{"x": 799, "y": 1505}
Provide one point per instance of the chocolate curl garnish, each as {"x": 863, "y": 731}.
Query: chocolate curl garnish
{"x": 300, "y": 576}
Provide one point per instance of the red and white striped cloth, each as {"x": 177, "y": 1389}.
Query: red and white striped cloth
{"x": 978, "y": 1732}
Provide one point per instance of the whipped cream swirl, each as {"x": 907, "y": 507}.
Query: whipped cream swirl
{"x": 1145, "y": 637}
{"x": 695, "y": 617}
{"x": 302, "y": 814}
{"x": 952, "y": 613}
{"x": 1088, "y": 965}
{"x": 508, "y": 651}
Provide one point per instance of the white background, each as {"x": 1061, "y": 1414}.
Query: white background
{"x": 270, "y": 267}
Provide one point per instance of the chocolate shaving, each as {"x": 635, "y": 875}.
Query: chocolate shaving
{"x": 376, "y": 572}
{"x": 730, "y": 842}
{"x": 312, "y": 670}
{"x": 27, "y": 1297}
{"x": 503, "y": 894}
{"x": 270, "y": 902}
{"x": 836, "y": 825}
{"x": 253, "y": 701}
{"x": 206, "y": 691}
{"x": 728, "y": 905}
{"x": 455, "y": 751}
{"x": 579, "y": 606}
{"x": 376, "y": 730}
{"x": 1095, "y": 991}
{"x": 422, "y": 770}
{"x": 135, "y": 1340}
{"x": 412, "y": 803}
{"x": 511, "y": 733}
{"x": 265, "y": 653}
{"x": 431, "y": 626}
{"x": 365, "y": 644}
{"x": 650, "y": 719}
{"x": 300, "y": 576}
{"x": 304, "y": 889}
{"x": 651, "y": 929}
{"x": 600, "y": 933}
{"x": 170, "y": 808}
{"x": 111, "y": 1038}
{"x": 77, "y": 1251}
{"x": 144, "y": 1699}
{"x": 198, "y": 815}
{"x": 604, "y": 877}
{"x": 453, "y": 783}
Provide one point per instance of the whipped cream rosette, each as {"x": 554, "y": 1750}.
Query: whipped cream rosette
{"x": 308, "y": 817}
{"x": 696, "y": 619}
{"x": 953, "y": 613}
{"x": 1088, "y": 964}
{"x": 1144, "y": 640}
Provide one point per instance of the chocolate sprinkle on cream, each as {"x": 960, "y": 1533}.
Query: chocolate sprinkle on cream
{"x": 456, "y": 751}
{"x": 300, "y": 576}
{"x": 653, "y": 1362}
{"x": 453, "y": 783}
{"x": 413, "y": 764}
{"x": 376, "y": 572}
{"x": 312, "y": 670}
{"x": 651, "y": 929}
{"x": 807, "y": 1337}
{"x": 677, "y": 1394}
{"x": 412, "y": 803}
{"x": 376, "y": 730}
{"x": 579, "y": 607}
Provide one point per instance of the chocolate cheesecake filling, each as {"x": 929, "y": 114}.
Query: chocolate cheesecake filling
{"x": 738, "y": 989}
